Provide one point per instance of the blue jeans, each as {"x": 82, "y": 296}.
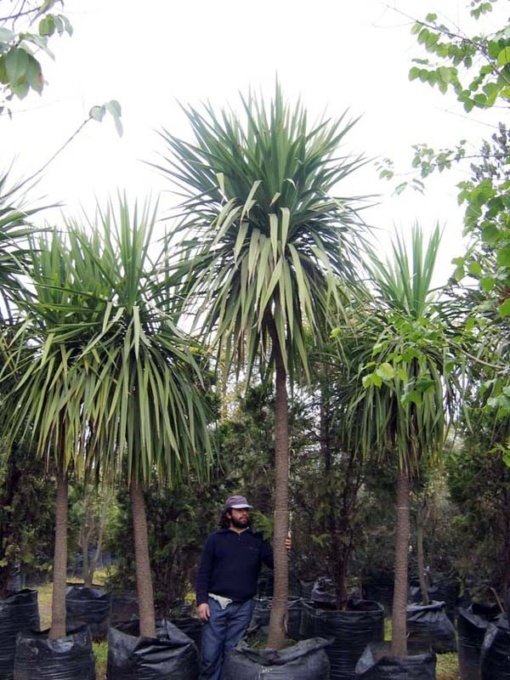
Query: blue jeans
{"x": 221, "y": 633}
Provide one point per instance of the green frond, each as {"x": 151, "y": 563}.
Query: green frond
{"x": 264, "y": 226}
{"x": 403, "y": 375}
{"x": 104, "y": 376}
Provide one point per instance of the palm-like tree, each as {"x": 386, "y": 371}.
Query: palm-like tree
{"x": 15, "y": 228}
{"x": 110, "y": 382}
{"x": 403, "y": 389}
{"x": 45, "y": 392}
{"x": 265, "y": 238}
{"x": 147, "y": 410}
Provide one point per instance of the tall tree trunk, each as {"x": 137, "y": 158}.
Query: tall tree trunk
{"x": 402, "y": 535}
{"x": 143, "y": 568}
{"x": 278, "y": 620}
{"x": 58, "y": 601}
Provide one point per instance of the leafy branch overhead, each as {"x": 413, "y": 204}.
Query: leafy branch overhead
{"x": 21, "y": 69}
{"x": 476, "y": 68}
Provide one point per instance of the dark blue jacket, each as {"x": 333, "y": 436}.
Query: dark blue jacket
{"x": 231, "y": 563}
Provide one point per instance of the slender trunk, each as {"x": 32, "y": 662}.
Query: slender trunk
{"x": 143, "y": 568}
{"x": 58, "y": 602}
{"x": 402, "y": 534}
{"x": 420, "y": 553}
{"x": 278, "y": 620}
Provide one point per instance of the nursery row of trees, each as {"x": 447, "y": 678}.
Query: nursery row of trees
{"x": 119, "y": 350}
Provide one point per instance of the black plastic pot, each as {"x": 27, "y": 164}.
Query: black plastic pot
{"x": 377, "y": 663}
{"x": 18, "y": 612}
{"x": 446, "y": 589}
{"x": 323, "y": 593}
{"x": 172, "y": 654}
{"x": 306, "y": 660}
{"x": 379, "y": 587}
{"x": 349, "y": 631}
{"x": 262, "y": 613}
{"x": 430, "y": 626}
{"x": 472, "y": 624}
{"x": 68, "y": 658}
{"x": 90, "y": 607}
{"x": 495, "y": 654}
{"x": 191, "y": 626}
{"x": 124, "y": 608}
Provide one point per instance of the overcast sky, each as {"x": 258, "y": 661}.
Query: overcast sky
{"x": 334, "y": 54}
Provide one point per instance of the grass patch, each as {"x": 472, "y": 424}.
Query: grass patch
{"x": 101, "y": 653}
{"x": 447, "y": 667}
{"x": 44, "y": 593}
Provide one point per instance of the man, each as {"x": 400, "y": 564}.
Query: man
{"x": 227, "y": 583}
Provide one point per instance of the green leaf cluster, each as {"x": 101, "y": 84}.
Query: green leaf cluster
{"x": 102, "y": 376}
{"x": 20, "y": 66}
{"x": 403, "y": 363}
{"x": 458, "y": 55}
{"x": 264, "y": 234}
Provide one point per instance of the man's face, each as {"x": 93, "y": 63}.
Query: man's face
{"x": 240, "y": 519}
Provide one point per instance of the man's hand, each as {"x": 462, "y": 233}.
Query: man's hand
{"x": 288, "y": 542}
{"x": 203, "y": 612}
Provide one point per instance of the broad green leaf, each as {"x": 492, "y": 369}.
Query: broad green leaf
{"x": 114, "y": 109}
{"x": 47, "y": 25}
{"x": 504, "y": 308}
{"x": 504, "y": 56}
{"x": 504, "y": 257}
{"x": 475, "y": 268}
{"x": 6, "y": 36}
{"x": 487, "y": 283}
{"x": 97, "y": 113}
{"x": 16, "y": 64}
{"x": 386, "y": 371}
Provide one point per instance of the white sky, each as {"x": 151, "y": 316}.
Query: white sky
{"x": 335, "y": 54}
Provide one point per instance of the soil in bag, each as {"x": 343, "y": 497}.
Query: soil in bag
{"x": 262, "y": 613}
{"x": 124, "y": 608}
{"x": 68, "y": 658}
{"x": 88, "y": 606}
{"x": 171, "y": 654}
{"x": 430, "y": 626}
{"x": 472, "y": 624}
{"x": 18, "y": 612}
{"x": 377, "y": 663}
{"x": 306, "y": 660}
{"x": 349, "y": 632}
{"x": 495, "y": 654}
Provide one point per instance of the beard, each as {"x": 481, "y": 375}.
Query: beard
{"x": 241, "y": 523}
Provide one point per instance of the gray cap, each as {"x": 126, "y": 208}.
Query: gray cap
{"x": 237, "y": 503}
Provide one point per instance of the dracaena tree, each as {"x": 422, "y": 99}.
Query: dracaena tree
{"x": 44, "y": 392}
{"x": 15, "y": 228}
{"x": 402, "y": 392}
{"x": 266, "y": 232}
{"x": 105, "y": 378}
{"x": 147, "y": 410}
